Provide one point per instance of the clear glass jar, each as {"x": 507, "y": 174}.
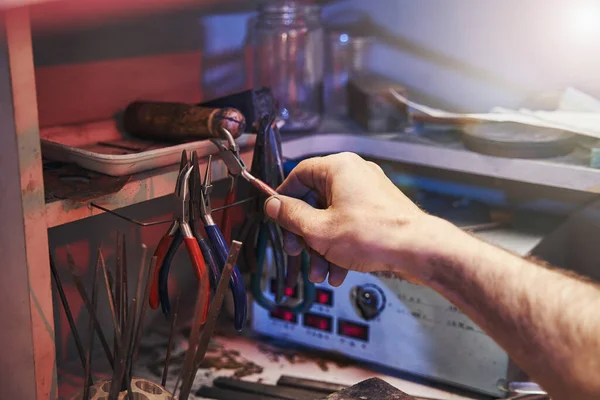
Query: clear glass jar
{"x": 288, "y": 41}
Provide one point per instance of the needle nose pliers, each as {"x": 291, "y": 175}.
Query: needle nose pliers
{"x": 179, "y": 231}
{"x": 258, "y": 233}
{"x": 221, "y": 250}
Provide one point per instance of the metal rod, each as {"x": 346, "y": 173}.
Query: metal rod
{"x": 197, "y": 354}
{"x": 88, "y": 365}
{"x": 67, "y": 308}
{"x": 165, "y": 373}
{"x": 119, "y": 368}
{"x": 166, "y": 221}
{"x": 194, "y": 334}
{"x": 133, "y": 319}
{"x": 144, "y": 308}
{"x": 138, "y": 295}
{"x": 111, "y": 301}
{"x": 118, "y": 282}
{"x": 88, "y": 304}
{"x": 124, "y": 286}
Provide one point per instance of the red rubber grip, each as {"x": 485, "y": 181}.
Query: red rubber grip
{"x": 199, "y": 267}
{"x": 160, "y": 253}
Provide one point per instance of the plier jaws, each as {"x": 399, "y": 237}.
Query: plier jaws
{"x": 235, "y": 165}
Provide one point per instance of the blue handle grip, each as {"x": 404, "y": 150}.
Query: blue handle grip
{"x": 235, "y": 283}
{"x": 209, "y": 260}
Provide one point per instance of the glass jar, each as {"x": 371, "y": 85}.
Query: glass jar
{"x": 288, "y": 41}
{"x": 347, "y": 55}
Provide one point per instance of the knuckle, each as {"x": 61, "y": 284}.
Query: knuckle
{"x": 375, "y": 166}
{"x": 349, "y": 157}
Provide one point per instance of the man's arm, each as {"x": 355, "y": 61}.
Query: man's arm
{"x": 547, "y": 320}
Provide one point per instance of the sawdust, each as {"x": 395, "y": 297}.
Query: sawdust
{"x": 230, "y": 360}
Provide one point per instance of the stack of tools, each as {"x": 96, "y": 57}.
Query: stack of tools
{"x": 128, "y": 315}
{"x": 213, "y": 260}
{"x": 127, "y": 319}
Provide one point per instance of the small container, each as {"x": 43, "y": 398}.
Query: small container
{"x": 288, "y": 40}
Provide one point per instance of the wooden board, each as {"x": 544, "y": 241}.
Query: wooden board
{"x": 26, "y": 304}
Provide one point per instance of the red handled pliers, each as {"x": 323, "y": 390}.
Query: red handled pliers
{"x": 179, "y": 231}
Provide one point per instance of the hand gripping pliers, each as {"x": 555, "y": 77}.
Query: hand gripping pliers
{"x": 259, "y": 233}
{"x": 179, "y": 231}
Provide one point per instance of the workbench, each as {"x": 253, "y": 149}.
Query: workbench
{"x": 255, "y": 358}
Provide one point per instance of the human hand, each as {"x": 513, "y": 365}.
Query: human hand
{"x": 351, "y": 217}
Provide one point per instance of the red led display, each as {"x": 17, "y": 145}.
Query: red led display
{"x": 288, "y": 292}
{"x": 284, "y": 315}
{"x": 324, "y": 296}
{"x": 316, "y": 321}
{"x": 353, "y": 330}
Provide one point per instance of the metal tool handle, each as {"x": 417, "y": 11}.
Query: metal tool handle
{"x": 160, "y": 253}
{"x": 236, "y": 282}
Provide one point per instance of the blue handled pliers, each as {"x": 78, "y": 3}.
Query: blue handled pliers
{"x": 221, "y": 250}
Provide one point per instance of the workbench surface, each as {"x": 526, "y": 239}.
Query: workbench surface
{"x": 254, "y": 359}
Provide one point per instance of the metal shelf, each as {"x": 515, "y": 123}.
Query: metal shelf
{"x": 139, "y": 188}
{"x": 564, "y": 172}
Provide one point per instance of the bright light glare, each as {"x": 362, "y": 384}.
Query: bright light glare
{"x": 585, "y": 18}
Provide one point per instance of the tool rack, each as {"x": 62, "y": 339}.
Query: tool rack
{"x": 26, "y": 309}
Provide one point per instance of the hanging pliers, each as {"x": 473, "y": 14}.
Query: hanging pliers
{"x": 179, "y": 231}
{"x": 221, "y": 250}
{"x": 259, "y": 233}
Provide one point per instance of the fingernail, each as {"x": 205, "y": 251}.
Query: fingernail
{"x": 272, "y": 207}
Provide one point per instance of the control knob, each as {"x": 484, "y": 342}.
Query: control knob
{"x": 369, "y": 301}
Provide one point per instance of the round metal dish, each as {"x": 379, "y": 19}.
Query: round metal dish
{"x": 508, "y": 139}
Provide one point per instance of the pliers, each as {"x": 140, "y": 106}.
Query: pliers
{"x": 267, "y": 165}
{"x": 221, "y": 250}
{"x": 179, "y": 231}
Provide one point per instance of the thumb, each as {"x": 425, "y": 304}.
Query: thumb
{"x": 295, "y": 215}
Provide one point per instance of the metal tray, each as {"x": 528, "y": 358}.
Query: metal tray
{"x": 101, "y": 147}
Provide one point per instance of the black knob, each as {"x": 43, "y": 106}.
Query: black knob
{"x": 370, "y": 301}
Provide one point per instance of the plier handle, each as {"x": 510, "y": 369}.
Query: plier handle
{"x": 179, "y": 232}
{"x": 221, "y": 250}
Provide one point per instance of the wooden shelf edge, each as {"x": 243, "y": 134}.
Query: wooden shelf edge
{"x": 140, "y": 188}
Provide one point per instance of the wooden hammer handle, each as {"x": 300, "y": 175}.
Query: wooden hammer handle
{"x": 179, "y": 121}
